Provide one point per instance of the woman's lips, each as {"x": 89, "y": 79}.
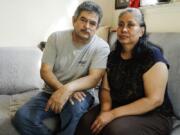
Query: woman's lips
{"x": 123, "y": 36}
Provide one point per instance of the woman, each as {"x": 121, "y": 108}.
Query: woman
{"x": 133, "y": 96}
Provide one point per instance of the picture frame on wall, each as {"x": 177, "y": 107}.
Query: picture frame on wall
{"x": 120, "y": 4}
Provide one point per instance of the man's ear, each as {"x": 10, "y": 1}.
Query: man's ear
{"x": 73, "y": 20}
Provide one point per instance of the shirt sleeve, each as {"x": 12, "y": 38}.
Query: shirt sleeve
{"x": 100, "y": 58}
{"x": 49, "y": 53}
{"x": 156, "y": 56}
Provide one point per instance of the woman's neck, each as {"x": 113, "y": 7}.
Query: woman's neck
{"x": 126, "y": 54}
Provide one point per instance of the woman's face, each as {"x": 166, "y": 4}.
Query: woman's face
{"x": 129, "y": 30}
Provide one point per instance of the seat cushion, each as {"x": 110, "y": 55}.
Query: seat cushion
{"x": 8, "y": 106}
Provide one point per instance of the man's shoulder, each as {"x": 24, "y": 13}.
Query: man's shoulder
{"x": 100, "y": 42}
{"x": 62, "y": 32}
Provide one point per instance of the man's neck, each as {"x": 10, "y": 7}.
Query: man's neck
{"x": 78, "y": 41}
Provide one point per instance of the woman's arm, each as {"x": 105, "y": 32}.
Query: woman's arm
{"x": 155, "y": 80}
{"x": 105, "y": 115}
{"x": 105, "y": 99}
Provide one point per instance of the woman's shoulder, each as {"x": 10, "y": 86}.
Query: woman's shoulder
{"x": 154, "y": 52}
{"x": 153, "y": 55}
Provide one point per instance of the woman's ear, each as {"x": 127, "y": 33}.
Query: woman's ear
{"x": 142, "y": 31}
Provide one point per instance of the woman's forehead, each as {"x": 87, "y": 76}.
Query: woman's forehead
{"x": 133, "y": 16}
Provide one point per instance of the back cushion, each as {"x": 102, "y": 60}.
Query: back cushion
{"x": 19, "y": 69}
{"x": 103, "y": 32}
{"x": 170, "y": 42}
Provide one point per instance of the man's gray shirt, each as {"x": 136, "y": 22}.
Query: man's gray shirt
{"x": 70, "y": 62}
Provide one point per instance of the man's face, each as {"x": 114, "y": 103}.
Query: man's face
{"x": 85, "y": 25}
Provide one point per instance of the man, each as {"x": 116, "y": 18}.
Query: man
{"x": 73, "y": 62}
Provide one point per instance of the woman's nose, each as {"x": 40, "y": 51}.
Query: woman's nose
{"x": 124, "y": 29}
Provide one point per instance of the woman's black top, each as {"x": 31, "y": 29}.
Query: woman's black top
{"x": 125, "y": 78}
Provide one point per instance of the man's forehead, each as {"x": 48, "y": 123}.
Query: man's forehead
{"x": 89, "y": 15}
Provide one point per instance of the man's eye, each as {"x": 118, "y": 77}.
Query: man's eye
{"x": 93, "y": 23}
{"x": 83, "y": 20}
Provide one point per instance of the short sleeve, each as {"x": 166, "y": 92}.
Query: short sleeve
{"x": 155, "y": 56}
{"x": 100, "y": 57}
{"x": 49, "y": 53}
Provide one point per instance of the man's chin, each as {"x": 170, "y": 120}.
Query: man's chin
{"x": 85, "y": 37}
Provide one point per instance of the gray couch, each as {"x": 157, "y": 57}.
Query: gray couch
{"x": 20, "y": 78}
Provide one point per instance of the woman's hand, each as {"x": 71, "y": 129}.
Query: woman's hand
{"x": 101, "y": 121}
{"x": 79, "y": 96}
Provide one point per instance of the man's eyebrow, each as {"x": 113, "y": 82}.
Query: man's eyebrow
{"x": 83, "y": 17}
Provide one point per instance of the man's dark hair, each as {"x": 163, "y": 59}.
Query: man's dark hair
{"x": 91, "y": 7}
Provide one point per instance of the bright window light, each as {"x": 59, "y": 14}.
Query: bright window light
{"x": 148, "y": 2}
{"x": 63, "y": 22}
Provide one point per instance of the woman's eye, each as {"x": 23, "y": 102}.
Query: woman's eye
{"x": 121, "y": 25}
{"x": 131, "y": 25}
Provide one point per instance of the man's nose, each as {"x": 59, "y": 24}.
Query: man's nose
{"x": 87, "y": 25}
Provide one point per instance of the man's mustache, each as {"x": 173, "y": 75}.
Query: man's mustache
{"x": 86, "y": 30}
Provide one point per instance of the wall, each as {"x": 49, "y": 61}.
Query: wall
{"x": 27, "y": 22}
{"x": 160, "y": 18}
{"x": 163, "y": 18}
{"x": 107, "y": 7}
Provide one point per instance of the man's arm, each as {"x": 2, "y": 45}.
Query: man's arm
{"x": 87, "y": 82}
{"x": 60, "y": 94}
{"x": 63, "y": 92}
{"x": 48, "y": 76}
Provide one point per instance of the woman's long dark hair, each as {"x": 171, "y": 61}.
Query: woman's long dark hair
{"x": 143, "y": 46}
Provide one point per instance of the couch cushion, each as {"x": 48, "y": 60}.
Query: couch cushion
{"x": 170, "y": 42}
{"x": 19, "y": 70}
{"x": 103, "y": 32}
{"x": 8, "y": 106}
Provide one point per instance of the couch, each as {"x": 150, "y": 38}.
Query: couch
{"x": 20, "y": 77}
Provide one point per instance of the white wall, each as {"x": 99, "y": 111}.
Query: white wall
{"x": 164, "y": 18}
{"x": 27, "y": 22}
{"x": 107, "y": 7}
{"x": 160, "y": 18}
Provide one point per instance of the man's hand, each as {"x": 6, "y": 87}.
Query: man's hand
{"x": 58, "y": 99}
{"x": 101, "y": 121}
